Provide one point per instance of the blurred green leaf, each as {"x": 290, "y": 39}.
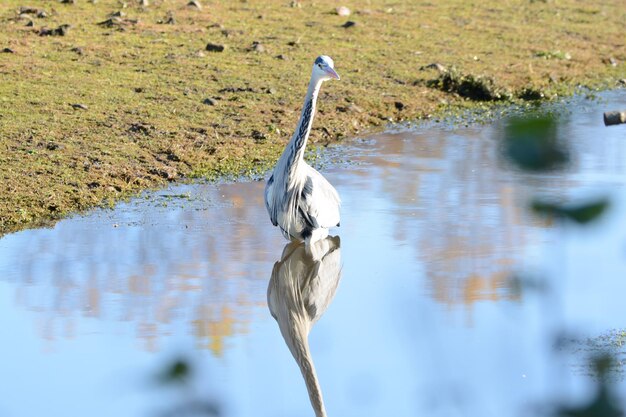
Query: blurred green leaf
{"x": 176, "y": 372}
{"x": 531, "y": 143}
{"x": 579, "y": 213}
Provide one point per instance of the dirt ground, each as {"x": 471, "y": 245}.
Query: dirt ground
{"x": 102, "y": 99}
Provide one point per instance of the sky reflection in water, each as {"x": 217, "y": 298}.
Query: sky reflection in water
{"x": 425, "y": 318}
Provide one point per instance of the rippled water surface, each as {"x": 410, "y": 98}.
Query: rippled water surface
{"x": 425, "y": 319}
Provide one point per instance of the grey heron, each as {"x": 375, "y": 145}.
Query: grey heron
{"x": 302, "y": 286}
{"x": 299, "y": 200}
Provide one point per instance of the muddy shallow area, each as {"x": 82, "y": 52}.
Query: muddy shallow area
{"x": 427, "y": 317}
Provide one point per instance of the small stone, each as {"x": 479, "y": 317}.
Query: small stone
{"x": 348, "y": 24}
{"x": 42, "y": 14}
{"x": 271, "y": 90}
{"x": 354, "y": 108}
{"x": 622, "y": 81}
{"x": 238, "y": 90}
{"x": 173, "y": 157}
{"x": 144, "y": 3}
{"x": 209, "y": 102}
{"x": 28, "y": 10}
{"x": 138, "y": 90}
{"x": 258, "y": 47}
{"x": 200, "y": 54}
{"x": 342, "y": 11}
{"x": 613, "y": 62}
{"x": 79, "y": 106}
{"x": 113, "y": 21}
{"x": 30, "y": 24}
{"x": 141, "y": 128}
{"x": 169, "y": 19}
{"x": 78, "y": 50}
{"x": 435, "y": 65}
{"x": 195, "y": 4}
{"x": 399, "y": 105}
{"x": 119, "y": 13}
{"x": 295, "y": 4}
{"x": 60, "y": 31}
{"x": 8, "y": 51}
{"x": 281, "y": 56}
{"x": 167, "y": 172}
{"x": 258, "y": 135}
{"x": 51, "y": 146}
{"x": 68, "y": 1}
{"x": 213, "y": 47}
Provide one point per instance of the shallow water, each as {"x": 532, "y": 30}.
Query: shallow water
{"x": 426, "y": 319}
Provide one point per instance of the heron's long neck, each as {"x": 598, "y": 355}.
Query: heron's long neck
{"x": 294, "y": 153}
{"x": 301, "y": 352}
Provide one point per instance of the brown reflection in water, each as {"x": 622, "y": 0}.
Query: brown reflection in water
{"x": 465, "y": 215}
{"x": 151, "y": 266}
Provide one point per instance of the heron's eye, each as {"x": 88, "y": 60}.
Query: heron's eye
{"x": 319, "y": 65}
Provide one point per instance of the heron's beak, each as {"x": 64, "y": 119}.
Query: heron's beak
{"x": 332, "y": 73}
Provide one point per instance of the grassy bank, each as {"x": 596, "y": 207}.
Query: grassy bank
{"x": 113, "y": 104}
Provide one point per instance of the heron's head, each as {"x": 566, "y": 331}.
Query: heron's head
{"x": 323, "y": 68}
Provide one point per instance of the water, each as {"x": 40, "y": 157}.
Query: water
{"x": 425, "y": 320}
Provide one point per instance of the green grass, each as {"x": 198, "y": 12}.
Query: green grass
{"x": 143, "y": 84}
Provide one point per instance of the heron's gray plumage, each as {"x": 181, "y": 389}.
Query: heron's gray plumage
{"x": 299, "y": 199}
{"x": 302, "y": 286}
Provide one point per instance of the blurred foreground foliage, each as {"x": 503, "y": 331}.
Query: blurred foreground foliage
{"x": 581, "y": 213}
{"x": 533, "y": 143}
{"x": 179, "y": 374}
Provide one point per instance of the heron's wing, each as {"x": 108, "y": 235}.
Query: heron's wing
{"x": 321, "y": 289}
{"x": 283, "y": 293}
{"x": 320, "y": 201}
{"x": 269, "y": 200}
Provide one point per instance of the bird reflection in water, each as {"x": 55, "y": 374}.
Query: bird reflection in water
{"x": 301, "y": 288}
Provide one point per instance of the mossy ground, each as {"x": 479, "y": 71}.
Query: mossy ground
{"x": 141, "y": 83}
